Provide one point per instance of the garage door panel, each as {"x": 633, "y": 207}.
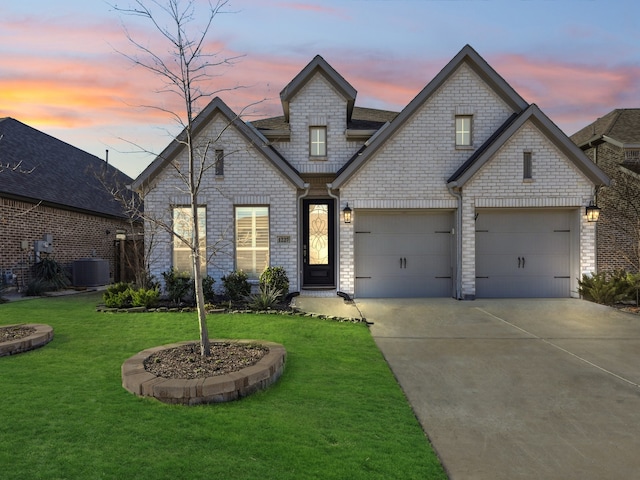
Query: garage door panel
{"x": 403, "y": 254}
{"x": 523, "y": 253}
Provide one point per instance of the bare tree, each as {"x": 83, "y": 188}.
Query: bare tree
{"x": 186, "y": 73}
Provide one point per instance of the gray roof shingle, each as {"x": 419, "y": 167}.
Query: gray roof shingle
{"x": 621, "y": 124}
{"x": 60, "y": 174}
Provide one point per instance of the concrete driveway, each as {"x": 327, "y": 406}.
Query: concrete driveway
{"x": 518, "y": 389}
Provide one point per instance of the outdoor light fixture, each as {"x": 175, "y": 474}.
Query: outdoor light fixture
{"x": 121, "y": 234}
{"x": 593, "y": 212}
{"x": 347, "y": 213}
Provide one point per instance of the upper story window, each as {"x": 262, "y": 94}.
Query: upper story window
{"x": 318, "y": 141}
{"x": 219, "y": 165}
{"x": 463, "y": 130}
{"x": 527, "y": 165}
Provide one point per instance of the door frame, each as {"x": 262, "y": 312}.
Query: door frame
{"x": 308, "y": 272}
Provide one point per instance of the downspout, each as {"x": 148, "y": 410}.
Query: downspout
{"x": 307, "y": 187}
{"x": 458, "y": 194}
{"x": 337, "y": 245}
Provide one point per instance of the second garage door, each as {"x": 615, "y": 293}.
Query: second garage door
{"x": 403, "y": 253}
{"x": 523, "y": 253}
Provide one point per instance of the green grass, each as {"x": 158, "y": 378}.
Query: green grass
{"x": 336, "y": 413}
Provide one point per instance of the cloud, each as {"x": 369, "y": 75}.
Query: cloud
{"x": 307, "y": 7}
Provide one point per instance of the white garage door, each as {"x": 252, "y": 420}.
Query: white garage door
{"x": 523, "y": 253}
{"x": 403, "y": 253}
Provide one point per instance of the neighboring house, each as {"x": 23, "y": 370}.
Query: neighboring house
{"x": 468, "y": 192}
{"x": 613, "y": 143}
{"x": 54, "y": 202}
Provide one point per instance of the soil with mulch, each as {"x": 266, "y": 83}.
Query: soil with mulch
{"x": 186, "y": 361}
{"x": 8, "y": 334}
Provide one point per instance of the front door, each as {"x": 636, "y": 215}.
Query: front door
{"x": 318, "y": 247}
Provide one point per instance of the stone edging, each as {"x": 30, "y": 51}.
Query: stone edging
{"x": 216, "y": 389}
{"x": 42, "y": 336}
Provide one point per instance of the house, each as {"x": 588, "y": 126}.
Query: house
{"x": 468, "y": 192}
{"x": 613, "y": 143}
{"x": 55, "y": 200}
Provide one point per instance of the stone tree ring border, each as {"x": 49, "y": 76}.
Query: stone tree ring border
{"x": 39, "y": 338}
{"x": 220, "y": 388}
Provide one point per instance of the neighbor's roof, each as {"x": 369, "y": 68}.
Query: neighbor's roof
{"x": 620, "y": 126}
{"x": 59, "y": 174}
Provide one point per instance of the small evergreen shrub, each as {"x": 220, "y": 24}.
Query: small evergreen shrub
{"x": 609, "y": 288}
{"x": 266, "y": 299}
{"x": 276, "y": 279}
{"x": 207, "y": 289}
{"x": 37, "y": 288}
{"x": 145, "y": 297}
{"x": 178, "y": 285}
{"x": 52, "y": 274}
{"x": 236, "y": 285}
{"x": 118, "y": 295}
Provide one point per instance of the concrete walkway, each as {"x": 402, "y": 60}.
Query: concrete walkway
{"x": 517, "y": 389}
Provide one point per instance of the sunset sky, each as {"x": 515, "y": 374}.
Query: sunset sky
{"x": 60, "y": 71}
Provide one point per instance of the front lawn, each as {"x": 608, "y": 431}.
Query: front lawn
{"x": 336, "y": 413}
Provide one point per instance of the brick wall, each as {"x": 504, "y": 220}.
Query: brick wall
{"x": 618, "y": 230}
{"x": 248, "y": 180}
{"x": 75, "y": 235}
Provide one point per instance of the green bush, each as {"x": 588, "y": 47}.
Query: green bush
{"x": 37, "y": 288}
{"x": 50, "y": 272}
{"x": 266, "y": 299}
{"x": 236, "y": 285}
{"x": 178, "y": 285}
{"x": 118, "y": 295}
{"x": 609, "y": 288}
{"x": 207, "y": 289}
{"x": 145, "y": 297}
{"x": 276, "y": 279}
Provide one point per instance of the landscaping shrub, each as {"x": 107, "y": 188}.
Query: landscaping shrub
{"x": 145, "y": 297}
{"x": 51, "y": 275}
{"x": 266, "y": 299}
{"x": 608, "y": 288}
{"x": 118, "y": 295}
{"x": 178, "y": 285}
{"x": 276, "y": 279}
{"x": 36, "y": 288}
{"x": 207, "y": 289}
{"x": 236, "y": 285}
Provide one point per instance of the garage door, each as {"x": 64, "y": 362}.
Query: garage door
{"x": 403, "y": 254}
{"x": 523, "y": 253}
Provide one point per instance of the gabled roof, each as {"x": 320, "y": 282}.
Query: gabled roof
{"x": 218, "y": 107}
{"x": 466, "y": 56}
{"x": 620, "y": 127}
{"x": 508, "y": 129}
{"x": 318, "y": 65}
{"x": 60, "y": 175}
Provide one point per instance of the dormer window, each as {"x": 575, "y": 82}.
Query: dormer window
{"x": 463, "y": 130}
{"x": 318, "y": 141}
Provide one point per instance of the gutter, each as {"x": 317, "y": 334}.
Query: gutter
{"x": 451, "y": 186}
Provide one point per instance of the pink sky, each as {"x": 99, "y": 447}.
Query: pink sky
{"x": 60, "y": 73}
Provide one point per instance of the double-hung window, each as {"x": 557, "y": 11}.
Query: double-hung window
{"x": 252, "y": 240}
{"x": 183, "y": 233}
{"x": 463, "y": 130}
{"x": 318, "y": 141}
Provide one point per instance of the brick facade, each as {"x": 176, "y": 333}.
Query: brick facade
{"x": 405, "y": 166}
{"x": 75, "y": 235}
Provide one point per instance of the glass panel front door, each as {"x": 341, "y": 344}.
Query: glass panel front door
{"x": 318, "y": 243}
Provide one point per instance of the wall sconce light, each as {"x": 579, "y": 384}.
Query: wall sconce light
{"x": 593, "y": 212}
{"x": 121, "y": 234}
{"x": 347, "y": 213}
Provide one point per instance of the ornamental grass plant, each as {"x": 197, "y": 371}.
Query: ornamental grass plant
{"x": 336, "y": 413}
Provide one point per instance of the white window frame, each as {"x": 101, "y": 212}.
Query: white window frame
{"x": 250, "y": 244}
{"x": 182, "y": 227}
{"x": 464, "y": 130}
{"x": 318, "y": 141}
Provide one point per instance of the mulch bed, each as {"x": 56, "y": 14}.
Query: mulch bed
{"x": 16, "y": 332}
{"x": 186, "y": 362}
